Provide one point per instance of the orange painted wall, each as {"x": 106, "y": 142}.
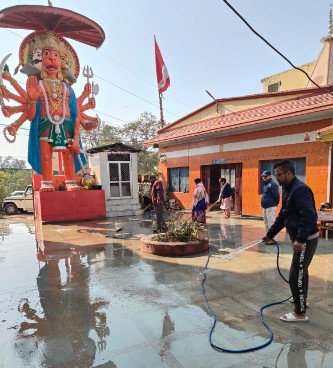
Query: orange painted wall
{"x": 315, "y": 153}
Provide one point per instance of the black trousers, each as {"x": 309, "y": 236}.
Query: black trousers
{"x": 161, "y": 224}
{"x": 299, "y": 275}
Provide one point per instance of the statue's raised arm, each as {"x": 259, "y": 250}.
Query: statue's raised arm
{"x": 48, "y": 100}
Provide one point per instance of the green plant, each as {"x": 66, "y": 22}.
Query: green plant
{"x": 179, "y": 231}
{"x": 13, "y": 179}
{"x": 61, "y": 185}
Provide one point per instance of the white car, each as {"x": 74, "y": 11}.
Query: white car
{"x": 19, "y": 201}
{"x": 17, "y": 193}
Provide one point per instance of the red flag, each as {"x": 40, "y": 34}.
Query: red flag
{"x": 163, "y": 79}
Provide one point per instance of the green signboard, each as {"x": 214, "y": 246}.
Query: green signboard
{"x": 217, "y": 162}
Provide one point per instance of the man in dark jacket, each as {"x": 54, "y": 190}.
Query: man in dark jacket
{"x": 269, "y": 200}
{"x": 299, "y": 216}
{"x": 157, "y": 198}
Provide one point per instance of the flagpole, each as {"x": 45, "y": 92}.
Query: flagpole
{"x": 161, "y": 111}
{"x": 163, "y": 79}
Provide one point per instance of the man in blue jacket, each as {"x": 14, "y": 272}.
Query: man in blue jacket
{"x": 299, "y": 216}
{"x": 269, "y": 200}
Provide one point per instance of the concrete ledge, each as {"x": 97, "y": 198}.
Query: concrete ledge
{"x": 121, "y": 213}
{"x": 172, "y": 249}
{"x": 65, "y": 205}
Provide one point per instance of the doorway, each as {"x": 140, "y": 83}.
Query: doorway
{"x": 232, "y": 173}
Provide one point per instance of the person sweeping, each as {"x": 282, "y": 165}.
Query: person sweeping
{"x": 157, "y": 198}
{"x": 200, "y": 201}
{"x": 225, "y": 197}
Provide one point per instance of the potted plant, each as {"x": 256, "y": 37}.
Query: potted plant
{"x": 182, "y": 238}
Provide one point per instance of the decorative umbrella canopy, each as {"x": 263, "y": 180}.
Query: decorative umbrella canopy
{"x": 63, "y": 22}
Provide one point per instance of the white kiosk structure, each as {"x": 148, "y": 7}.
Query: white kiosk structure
{"x": 115, "y": 167}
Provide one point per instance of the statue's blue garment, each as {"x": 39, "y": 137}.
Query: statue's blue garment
{"x": 34, "y": 147}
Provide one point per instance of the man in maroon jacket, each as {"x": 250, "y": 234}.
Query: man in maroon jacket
{"x": 157, "y": 198}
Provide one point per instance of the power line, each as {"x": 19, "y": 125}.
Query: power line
{"x": 20, "y": 127}
{"x": 8, "y": 30}
{"x": 132, "y": 94}
{"x": 141, "y": 77}
{"x": 115, "y": 85}
{"x": 19, "y": 132}
{"x": 272, "y": 47}
{"x": 110, "y": 116}
{"x": 126, "y": 68}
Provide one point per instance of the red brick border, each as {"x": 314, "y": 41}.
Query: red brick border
{"x": 172, "y": 249}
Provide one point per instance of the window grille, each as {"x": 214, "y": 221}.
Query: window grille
{"x": 274, "y": 87}
{"x": 120, "y": 176}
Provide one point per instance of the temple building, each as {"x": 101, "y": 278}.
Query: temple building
{"x": 239, "y": 137}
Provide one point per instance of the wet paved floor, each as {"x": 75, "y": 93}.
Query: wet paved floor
{"x": 83, "y": 295}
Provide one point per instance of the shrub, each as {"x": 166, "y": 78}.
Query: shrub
{"x": 182, "y": 231}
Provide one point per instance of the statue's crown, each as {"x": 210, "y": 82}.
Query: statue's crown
{"x": 49, "y": 39}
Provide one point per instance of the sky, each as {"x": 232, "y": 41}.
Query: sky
{"x": 205, "y": 46}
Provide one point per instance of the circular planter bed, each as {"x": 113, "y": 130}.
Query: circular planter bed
{"x": 171, "y": 249}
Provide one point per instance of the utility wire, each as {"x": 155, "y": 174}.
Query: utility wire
{"x": 141, "y": 77}
{"x": 19, "y": 132}
{"x": 20, "y": 127}
{"x": 126, "y": 68}
{"x": 16, "y": 34}
{"x": 110, "y": 116}
{"x": 272, "y": 47}
{"x": 133, "y": 94}
{"x": 113, "y": 84}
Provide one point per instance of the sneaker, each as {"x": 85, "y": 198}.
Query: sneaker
{"x": 270, "y": 242}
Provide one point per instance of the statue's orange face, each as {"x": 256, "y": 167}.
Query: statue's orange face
{"x": 51, "y": 60}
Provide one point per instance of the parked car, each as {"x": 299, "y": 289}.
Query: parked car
{"x": 19, "y": 202}
{"x": 17, "y": 193}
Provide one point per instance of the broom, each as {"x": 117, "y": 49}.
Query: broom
{"x": 121, "y": 227}
{"x": 207, "y": 210}
{"x": 211, "y": 206}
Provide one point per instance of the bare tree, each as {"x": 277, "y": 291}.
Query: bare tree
{"x": 7, "y": 162}
{"x": 133, "y": 134}
{"x": 102, "y": 135}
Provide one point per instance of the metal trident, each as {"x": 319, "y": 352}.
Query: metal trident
{"x": 87, "y": 72}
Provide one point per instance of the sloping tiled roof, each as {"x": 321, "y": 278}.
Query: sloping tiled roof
{"x": 115, "y": 147}
{"x": 326, "y": 129}
{"x": 313, "y": 102}
{"x": 265, "y": 95}
{"x": 325, "y": 134}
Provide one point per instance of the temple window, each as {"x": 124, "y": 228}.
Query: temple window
{"x": 178, "y": 179}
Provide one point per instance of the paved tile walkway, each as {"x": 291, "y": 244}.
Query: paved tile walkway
{"x": 82, "y": 295}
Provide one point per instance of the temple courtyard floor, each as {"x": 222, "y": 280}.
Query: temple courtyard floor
{"x": 80, "y": 294}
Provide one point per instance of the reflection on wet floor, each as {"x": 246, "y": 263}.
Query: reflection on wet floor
{"x": 83, "y": 295}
